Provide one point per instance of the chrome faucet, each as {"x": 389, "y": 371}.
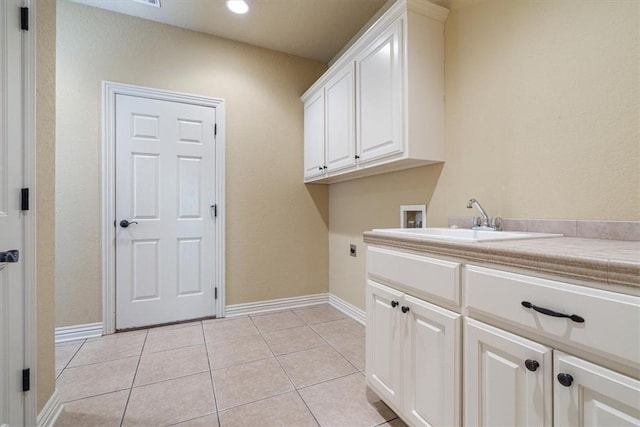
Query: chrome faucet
{"x": 484, "y": 222}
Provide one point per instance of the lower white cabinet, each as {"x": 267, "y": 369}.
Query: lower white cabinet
{"x": 512, "y": 381}
{"x": 586, "y": 394}
{"x": 519, "y": 331}
{"x": 507, "y": 378}
{"x": 413, "y": 356}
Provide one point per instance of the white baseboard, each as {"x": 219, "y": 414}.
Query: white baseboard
{"x": 349, "y": 309}
{"x": 78, "y": 332}
{"x": 92, "y": 330}
{"x": 275, "y": 304}
{"x": 51, "y": 411}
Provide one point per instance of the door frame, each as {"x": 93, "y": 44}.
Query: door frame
{"x": 109, "y": 92}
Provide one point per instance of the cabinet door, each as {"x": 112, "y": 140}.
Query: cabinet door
{"x": 507, "y": 379}
{"x": 590, "y": 395}
{"x": 379, "y": 96}
{"x": 340, "y": 115}
{"x": 431, "y": 390}
{"x": 384, "y": 339}
{"x": 314, "y": 136}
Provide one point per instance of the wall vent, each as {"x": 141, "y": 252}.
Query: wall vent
{"x": 155, "y": 3}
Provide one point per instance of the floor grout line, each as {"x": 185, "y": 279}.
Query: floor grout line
{"x": 93, "y": 395}
{"x": 70, "y": 359}
{"x": 295, "y": 388}
{"x": 298, "y": 390}
{"x": 213, "y": 385}
{"x": 133, "y": 380}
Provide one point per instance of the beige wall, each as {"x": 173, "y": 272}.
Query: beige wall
{"x": 277, "y": 228}
{"x": 45, "y": 203}
{"x": 542, "y": 121}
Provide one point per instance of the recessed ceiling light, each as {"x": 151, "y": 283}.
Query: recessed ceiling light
{"x": 238, "y": 6}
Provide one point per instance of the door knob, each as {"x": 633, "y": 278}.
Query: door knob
{"x": 9, "y": 256}
{"x": 124, "y": 223}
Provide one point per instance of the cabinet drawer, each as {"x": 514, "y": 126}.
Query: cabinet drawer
{"x": 611, "y": 326}
{"x": 431, "y": 278}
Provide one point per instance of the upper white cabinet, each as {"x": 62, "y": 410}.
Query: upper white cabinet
{"x": 383, "y": 99}
{"x": 379, "y": 95}
{"x": 314, "y": 164}
{"x": 340, "y": 116}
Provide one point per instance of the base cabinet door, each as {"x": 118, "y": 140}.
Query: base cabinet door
{"x": 384, "y": 341}
{"x": 431, "y": 377}
{"x": 507, "y": 378}
{"x": 590, "y": 395}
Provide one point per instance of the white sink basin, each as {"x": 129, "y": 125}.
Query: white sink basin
{"x": 464, "y": 234}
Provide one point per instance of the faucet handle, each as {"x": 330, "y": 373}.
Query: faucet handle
{"x": 496, "y": 223}
{"x": 476, "y": 221}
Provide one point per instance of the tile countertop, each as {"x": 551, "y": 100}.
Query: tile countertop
{"x": 616, "y": 262}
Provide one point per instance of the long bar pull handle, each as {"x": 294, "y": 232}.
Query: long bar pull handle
{"x": 573, "y": 317}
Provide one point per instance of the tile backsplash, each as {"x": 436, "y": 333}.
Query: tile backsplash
{"x": 612, "y": 230}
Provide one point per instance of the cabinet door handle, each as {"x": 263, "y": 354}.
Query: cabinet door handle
{"x": 320, "y": 168}
{"x": 394, "y": 304}
{"x": 531, "y": 365}
{"x": 574, "y": 317}
{"x": 405, "y": 309}
{"x": 565, "y": 379}
{"x": 357, "y": 157}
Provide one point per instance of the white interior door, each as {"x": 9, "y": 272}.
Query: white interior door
{"x": 165, "y": 183}
{"x": 12, "y": 283}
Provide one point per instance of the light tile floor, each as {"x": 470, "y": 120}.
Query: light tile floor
{"x": 301, "y": 367}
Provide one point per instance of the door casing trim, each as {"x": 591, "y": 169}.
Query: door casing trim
{"x": 109, "y": 92}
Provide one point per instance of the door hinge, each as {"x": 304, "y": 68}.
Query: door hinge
{"x": 215, "y": 129}
{"x": 26, "y": 379}
{"x": 24, "y": 18}
{"x": 24, "y": 199}
{"x": 215, "y": 292}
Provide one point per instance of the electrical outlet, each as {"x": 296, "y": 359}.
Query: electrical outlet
{"x": 352, "y": 250}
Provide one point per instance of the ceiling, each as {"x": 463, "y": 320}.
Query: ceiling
{"x": 315, "y": 29}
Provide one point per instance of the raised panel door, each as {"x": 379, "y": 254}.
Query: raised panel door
{"x": 379, "y": 96}
{"x": 165, "y": 179}
{"x": 431, "y": 391}
{"x": 385, "y": 330}
{"x": 507, "y": 378}
{"x": 590, "y": 395}
{"x": 12, "y": 274}
{"x": 314, "y": 145}
{"x": 340, "y": 116}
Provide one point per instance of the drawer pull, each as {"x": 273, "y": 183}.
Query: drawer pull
{"x": 394, "y": 304}
{"x": 531, "y": 365}
{"x": 565, "y": 379}
{"x": 574, "y": 317}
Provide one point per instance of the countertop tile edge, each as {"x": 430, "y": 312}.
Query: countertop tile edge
{"x": 611, "y": 271}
